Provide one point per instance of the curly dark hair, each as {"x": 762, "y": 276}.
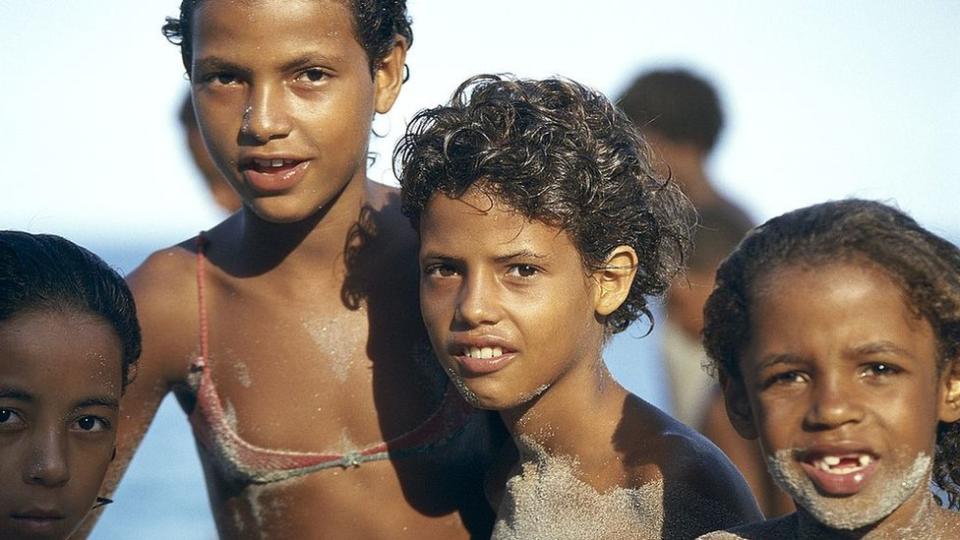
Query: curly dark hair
{"x": 677, "y": 104}
{"x": 559, "y": 153}
{"x": 924, "y": 265}
{"x": 47, "y": 272}
{"x": 377, "y": 23}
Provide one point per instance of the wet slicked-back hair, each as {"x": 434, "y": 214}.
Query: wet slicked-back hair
{"x": 677, "y": 104}
{"x": 559, "y": 153}
{"x": 925, "y": 266}
{"x": 48, "y": 273}
{"x": 376, "y": 25}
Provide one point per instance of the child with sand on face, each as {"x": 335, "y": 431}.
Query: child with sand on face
{"x": 295, "y": 356}
{"x": 543, "y": 230}
{"x": 836, "y": 333}
{"x": 68, "y": 340}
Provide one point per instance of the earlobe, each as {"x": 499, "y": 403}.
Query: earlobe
{"x": 950, "y": 392}
{"x": 614, "y": 279}
{"x": 389, "y": 76}
{"x": 738, "y": 406}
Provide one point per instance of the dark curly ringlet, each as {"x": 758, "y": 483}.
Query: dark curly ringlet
{"x": 376, "y": 24}
{"x": 46, "y": 272}
{"x": 559, "y": 153}
{"x": 924, "y": 265}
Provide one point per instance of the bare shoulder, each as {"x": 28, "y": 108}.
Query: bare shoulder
{"x": 702, "y": 490}
{"x": 165, "y": 290}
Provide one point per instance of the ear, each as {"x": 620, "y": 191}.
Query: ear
{"x": 950, "y": 392}
{"x": 738, "y": 406}
{"x": 389, "y": 75}
{"x": 614, "y": 279}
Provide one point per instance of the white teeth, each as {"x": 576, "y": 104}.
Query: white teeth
{"x": 831, "y": 464}
{"x": 483, "y": 353}
{"x": 271, "y": 163}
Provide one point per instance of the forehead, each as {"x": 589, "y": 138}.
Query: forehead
{"x": 220, "y": 26}
{"x": 834, "y": 306}
{"x": 60, "y": 355}
{"x": 480, "y": 220}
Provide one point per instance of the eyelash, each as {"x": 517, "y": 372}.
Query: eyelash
{"x": 6, "y": 415}
{"x": 521, "y": 268}
{"x": 103, "y": 422}
{"x": 437, "y": 269}
{"x": 881, "y": 369}
{"x": 323, "y": 75}
{"x": 787, "y": 377}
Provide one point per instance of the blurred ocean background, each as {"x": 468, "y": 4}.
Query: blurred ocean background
{"x": 824, "y": 100}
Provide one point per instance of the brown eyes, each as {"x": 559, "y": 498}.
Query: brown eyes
{"x": 90, "y": 423}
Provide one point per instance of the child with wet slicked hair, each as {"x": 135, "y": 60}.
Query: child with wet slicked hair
{"x": 543, "y": 231}
{"x": 836, "y": 333}
{"x": 69, "y": 338}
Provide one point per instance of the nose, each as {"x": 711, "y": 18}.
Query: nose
{"x": 477, "y": 303}
{"x": 834, "y": 405}
{"x": 265, "y": 117}
{"x": 47, "y": 462}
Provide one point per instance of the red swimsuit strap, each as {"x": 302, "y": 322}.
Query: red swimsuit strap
{"x": 262, "y": 465}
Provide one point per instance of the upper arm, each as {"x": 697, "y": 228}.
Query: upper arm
{"x": 158, "y": 288}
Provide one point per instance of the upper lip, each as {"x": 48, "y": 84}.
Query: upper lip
{"x": 459, "y": 343}
{"x": 38, "y": 513}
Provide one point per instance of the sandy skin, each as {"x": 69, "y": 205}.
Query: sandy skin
{"x": 492, "y": 282}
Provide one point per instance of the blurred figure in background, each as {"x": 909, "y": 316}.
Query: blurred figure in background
{"x": 220, "y": 190}
{"x": 680, "y": 115}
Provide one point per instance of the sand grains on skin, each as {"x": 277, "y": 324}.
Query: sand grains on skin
{"x": 547, "y": 500}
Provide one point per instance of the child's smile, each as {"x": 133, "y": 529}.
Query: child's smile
{"x": 843, "y": 384}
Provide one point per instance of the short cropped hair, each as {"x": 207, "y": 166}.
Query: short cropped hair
{"x": 377, "y": 23}
{"x": 559, "y": 153}
{"x": 676, "y": 104}
{"x": 47, "y": 272}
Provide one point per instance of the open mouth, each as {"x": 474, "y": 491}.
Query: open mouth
{"x": 840, "y": 474}
{"x": 273, "y": 175}
{"x": 271, "y": 165}
{"x": 841, "y": 465}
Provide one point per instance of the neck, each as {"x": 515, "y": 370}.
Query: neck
{"x": 316, "y": 241}
{"x": 577, "y": 416}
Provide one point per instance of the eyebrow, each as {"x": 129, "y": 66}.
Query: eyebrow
{"x": 308, "y": 60}
{"x": 522, "y": 254}
{"x": 214, "y": 63}
{"x": 883, "y": 346}
{"x": 9, "y": 392}
{"x": 779, "y": 358}
{"x": 98, "y": 401}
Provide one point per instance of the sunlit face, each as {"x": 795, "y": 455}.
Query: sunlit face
{"x": 285, "y": 98}
{"x": 60, "y": 383}
{"x": 507, "y": 301}
{"x": 844, "y": 392}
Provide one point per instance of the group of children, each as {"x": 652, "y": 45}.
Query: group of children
{"x": 325, "y": 406}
